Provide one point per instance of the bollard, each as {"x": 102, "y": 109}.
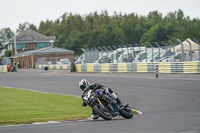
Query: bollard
{"x": 156, "y": 71}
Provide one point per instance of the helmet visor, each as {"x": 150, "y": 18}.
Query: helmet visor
{"x": 82, "y": 87}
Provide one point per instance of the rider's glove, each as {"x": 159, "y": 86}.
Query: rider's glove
{"x": 84, "y": 104}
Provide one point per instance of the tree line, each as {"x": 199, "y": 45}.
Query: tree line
{"x": 74, "y": 31}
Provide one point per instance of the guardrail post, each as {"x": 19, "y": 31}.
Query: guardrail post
{"x": 183, "y": 56}
{"x": 116, "y": 53}
{"x": 131, "y": 45}
{"x": 198, "y": 47}
{"x": 97, "y": 52}
{"x": 101, "y": 51}
{"x": 139, "y": 49}
{"x": 190, "y": 50}
{"x": 167, "y": 53}
{"x": 145, "y": 50}
{"x": 158, "y": 48}
{"x": 151, "y": 49}
{"x": 127, "y": 53}
{"x": 173, "y": 48}
{"x": 106, "y": 50}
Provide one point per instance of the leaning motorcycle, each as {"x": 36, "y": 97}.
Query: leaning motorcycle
{"x": 105, "y": 106}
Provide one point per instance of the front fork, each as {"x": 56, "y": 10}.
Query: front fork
{"x": 102, "y": 106}
{"x": 99, "y": 101}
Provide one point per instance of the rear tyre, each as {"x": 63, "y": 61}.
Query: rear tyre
{"x": 126, "y": 113}
{"x": 102, "y": 112}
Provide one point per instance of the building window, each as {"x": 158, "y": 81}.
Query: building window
{"x": 22, "y": 45}
{"x": 41, "y": 45}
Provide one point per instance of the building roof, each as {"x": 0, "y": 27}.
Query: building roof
{"x": 46, "y": 50}
{"x": 30, "y": 35}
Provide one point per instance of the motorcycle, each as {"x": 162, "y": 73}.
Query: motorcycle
{"x": 105, "y": 106}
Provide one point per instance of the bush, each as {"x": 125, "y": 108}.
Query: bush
{"x": 8, "y": 53}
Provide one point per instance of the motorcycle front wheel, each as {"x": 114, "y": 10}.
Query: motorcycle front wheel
{"x": 102, "y": 112}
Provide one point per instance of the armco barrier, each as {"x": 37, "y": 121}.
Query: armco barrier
{"x": 84, "y": 67}
{"x": 152, "y": 66}
{"x": 122, "y": 67}
{"x": 132, "y": 67}
{"x": 104, "y": 67}
{"x": 190, "y": 67}
{"x": 54, "y": 67}
{"x": 78, "y": 67}
{"x": 3, "y": 68}
{"x": 97, "y": 68}
{"x": 198, "y": 67}
{"x": 90, "y": 67}
{"x": 113, "y": 67}
{"x": 163, "y": 67}
{"x": 179, "y": 67}
{"x": 142, "y": 67}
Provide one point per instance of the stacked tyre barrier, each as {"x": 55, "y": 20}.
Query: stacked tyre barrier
{"x": 3, "y": 68}
{"x": 54, "y": 67}
{"x": 163, "y": 67}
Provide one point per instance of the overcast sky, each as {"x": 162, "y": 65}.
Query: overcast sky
{"x": 14, "y": 12}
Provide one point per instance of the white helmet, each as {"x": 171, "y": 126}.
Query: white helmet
{"x": 83, "y": 84}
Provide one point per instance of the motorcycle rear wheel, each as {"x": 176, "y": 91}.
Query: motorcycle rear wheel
{"x": 102, "y": 112}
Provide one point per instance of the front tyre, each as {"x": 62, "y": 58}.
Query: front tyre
{"x": 102, "y": 112}
{"x": 126, "y": 113}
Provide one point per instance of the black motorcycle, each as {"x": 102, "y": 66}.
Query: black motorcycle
{"x": 105, "y": 106}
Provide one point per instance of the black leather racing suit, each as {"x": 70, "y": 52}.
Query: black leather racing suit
{"x": 96, "y": 86}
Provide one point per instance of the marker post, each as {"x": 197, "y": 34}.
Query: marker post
{"x": 156, "y": 71}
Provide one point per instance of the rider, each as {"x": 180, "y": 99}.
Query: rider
{"x": 85, "y": 85}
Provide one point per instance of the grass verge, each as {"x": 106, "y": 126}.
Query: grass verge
{"x": 25, "y": 107}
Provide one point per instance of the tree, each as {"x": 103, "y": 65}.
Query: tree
{"x": 74, "y": 32}
{"x": 5, "y": 34}
{"x": 132, "y": 29}
{"x": 22, "y": 27}
{"x": 46, "y": 28}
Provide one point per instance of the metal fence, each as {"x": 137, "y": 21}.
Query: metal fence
{"x": 180, "y": 51}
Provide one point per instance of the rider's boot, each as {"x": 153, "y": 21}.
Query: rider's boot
{"x": 94, "y": 115}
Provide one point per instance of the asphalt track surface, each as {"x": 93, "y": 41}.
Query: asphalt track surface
{"x": 171, "y": 103}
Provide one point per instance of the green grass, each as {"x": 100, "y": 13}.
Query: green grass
{"x": 24, "y": 107}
